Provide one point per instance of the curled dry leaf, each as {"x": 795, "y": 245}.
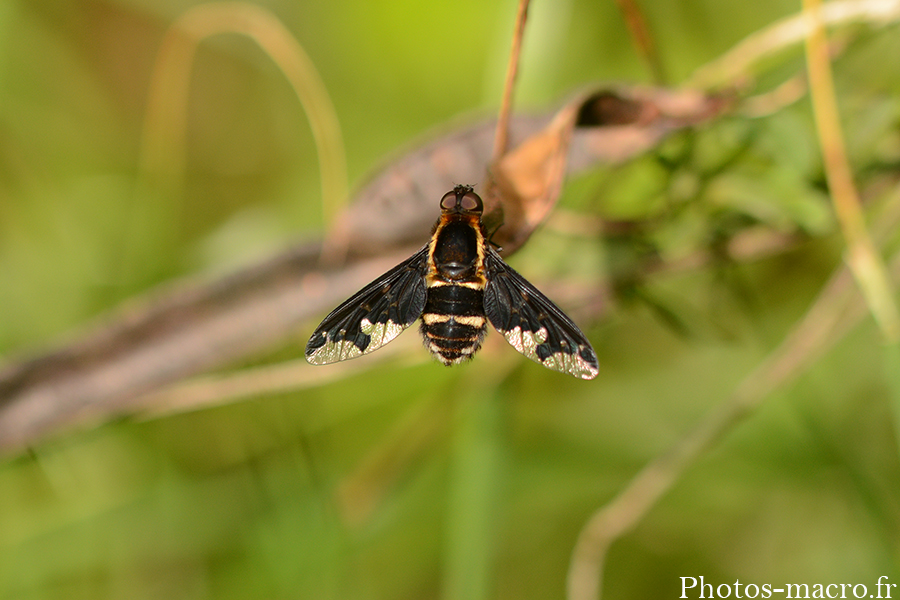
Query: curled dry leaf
{"x": 606, "y": 126}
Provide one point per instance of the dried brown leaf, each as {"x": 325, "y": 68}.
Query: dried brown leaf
{"x": 614, "y": 125}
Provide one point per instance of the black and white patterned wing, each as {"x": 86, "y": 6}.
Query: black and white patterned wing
{"x": 373, "y": 316}
{"x": 532, "y": 324}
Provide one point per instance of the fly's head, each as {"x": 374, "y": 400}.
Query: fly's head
{"x": 462, "y": 200}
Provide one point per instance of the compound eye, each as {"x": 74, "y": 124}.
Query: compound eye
{"x": 448, "y": 202}
{"x": 471, "y": 202}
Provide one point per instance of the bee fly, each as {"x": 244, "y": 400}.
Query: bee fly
{"x": 456, "y": 283}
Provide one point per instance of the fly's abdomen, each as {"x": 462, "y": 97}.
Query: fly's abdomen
{"x": 453, "y": 322}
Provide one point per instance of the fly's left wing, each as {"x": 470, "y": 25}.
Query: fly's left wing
{"x": 373, "y": 316}
{"x": 532, "y": 324}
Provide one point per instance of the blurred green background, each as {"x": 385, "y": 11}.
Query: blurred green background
{"x": 410, "y": 480}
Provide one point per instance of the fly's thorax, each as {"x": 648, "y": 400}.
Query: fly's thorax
{"x": 456, "y": 253}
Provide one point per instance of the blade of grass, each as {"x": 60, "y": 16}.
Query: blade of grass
{"x": 476, "y": 482}
{"x": 473, "y": 499}
{"x": 736, "y": 65}
{"x": 641, "y": 38}
{"x": 162, "y": 144}
{"x": 501, "y": 137}
{"x": 863, "y": 258}
{"x": 493, "y": 213}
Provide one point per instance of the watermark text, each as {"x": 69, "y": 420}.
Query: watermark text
{"x": 697, "y": 587}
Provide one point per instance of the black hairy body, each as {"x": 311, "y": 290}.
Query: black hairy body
{"x": 456, "y": 284}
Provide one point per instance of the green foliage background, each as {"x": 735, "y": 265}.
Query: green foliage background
{"x": 251, "y": 500}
